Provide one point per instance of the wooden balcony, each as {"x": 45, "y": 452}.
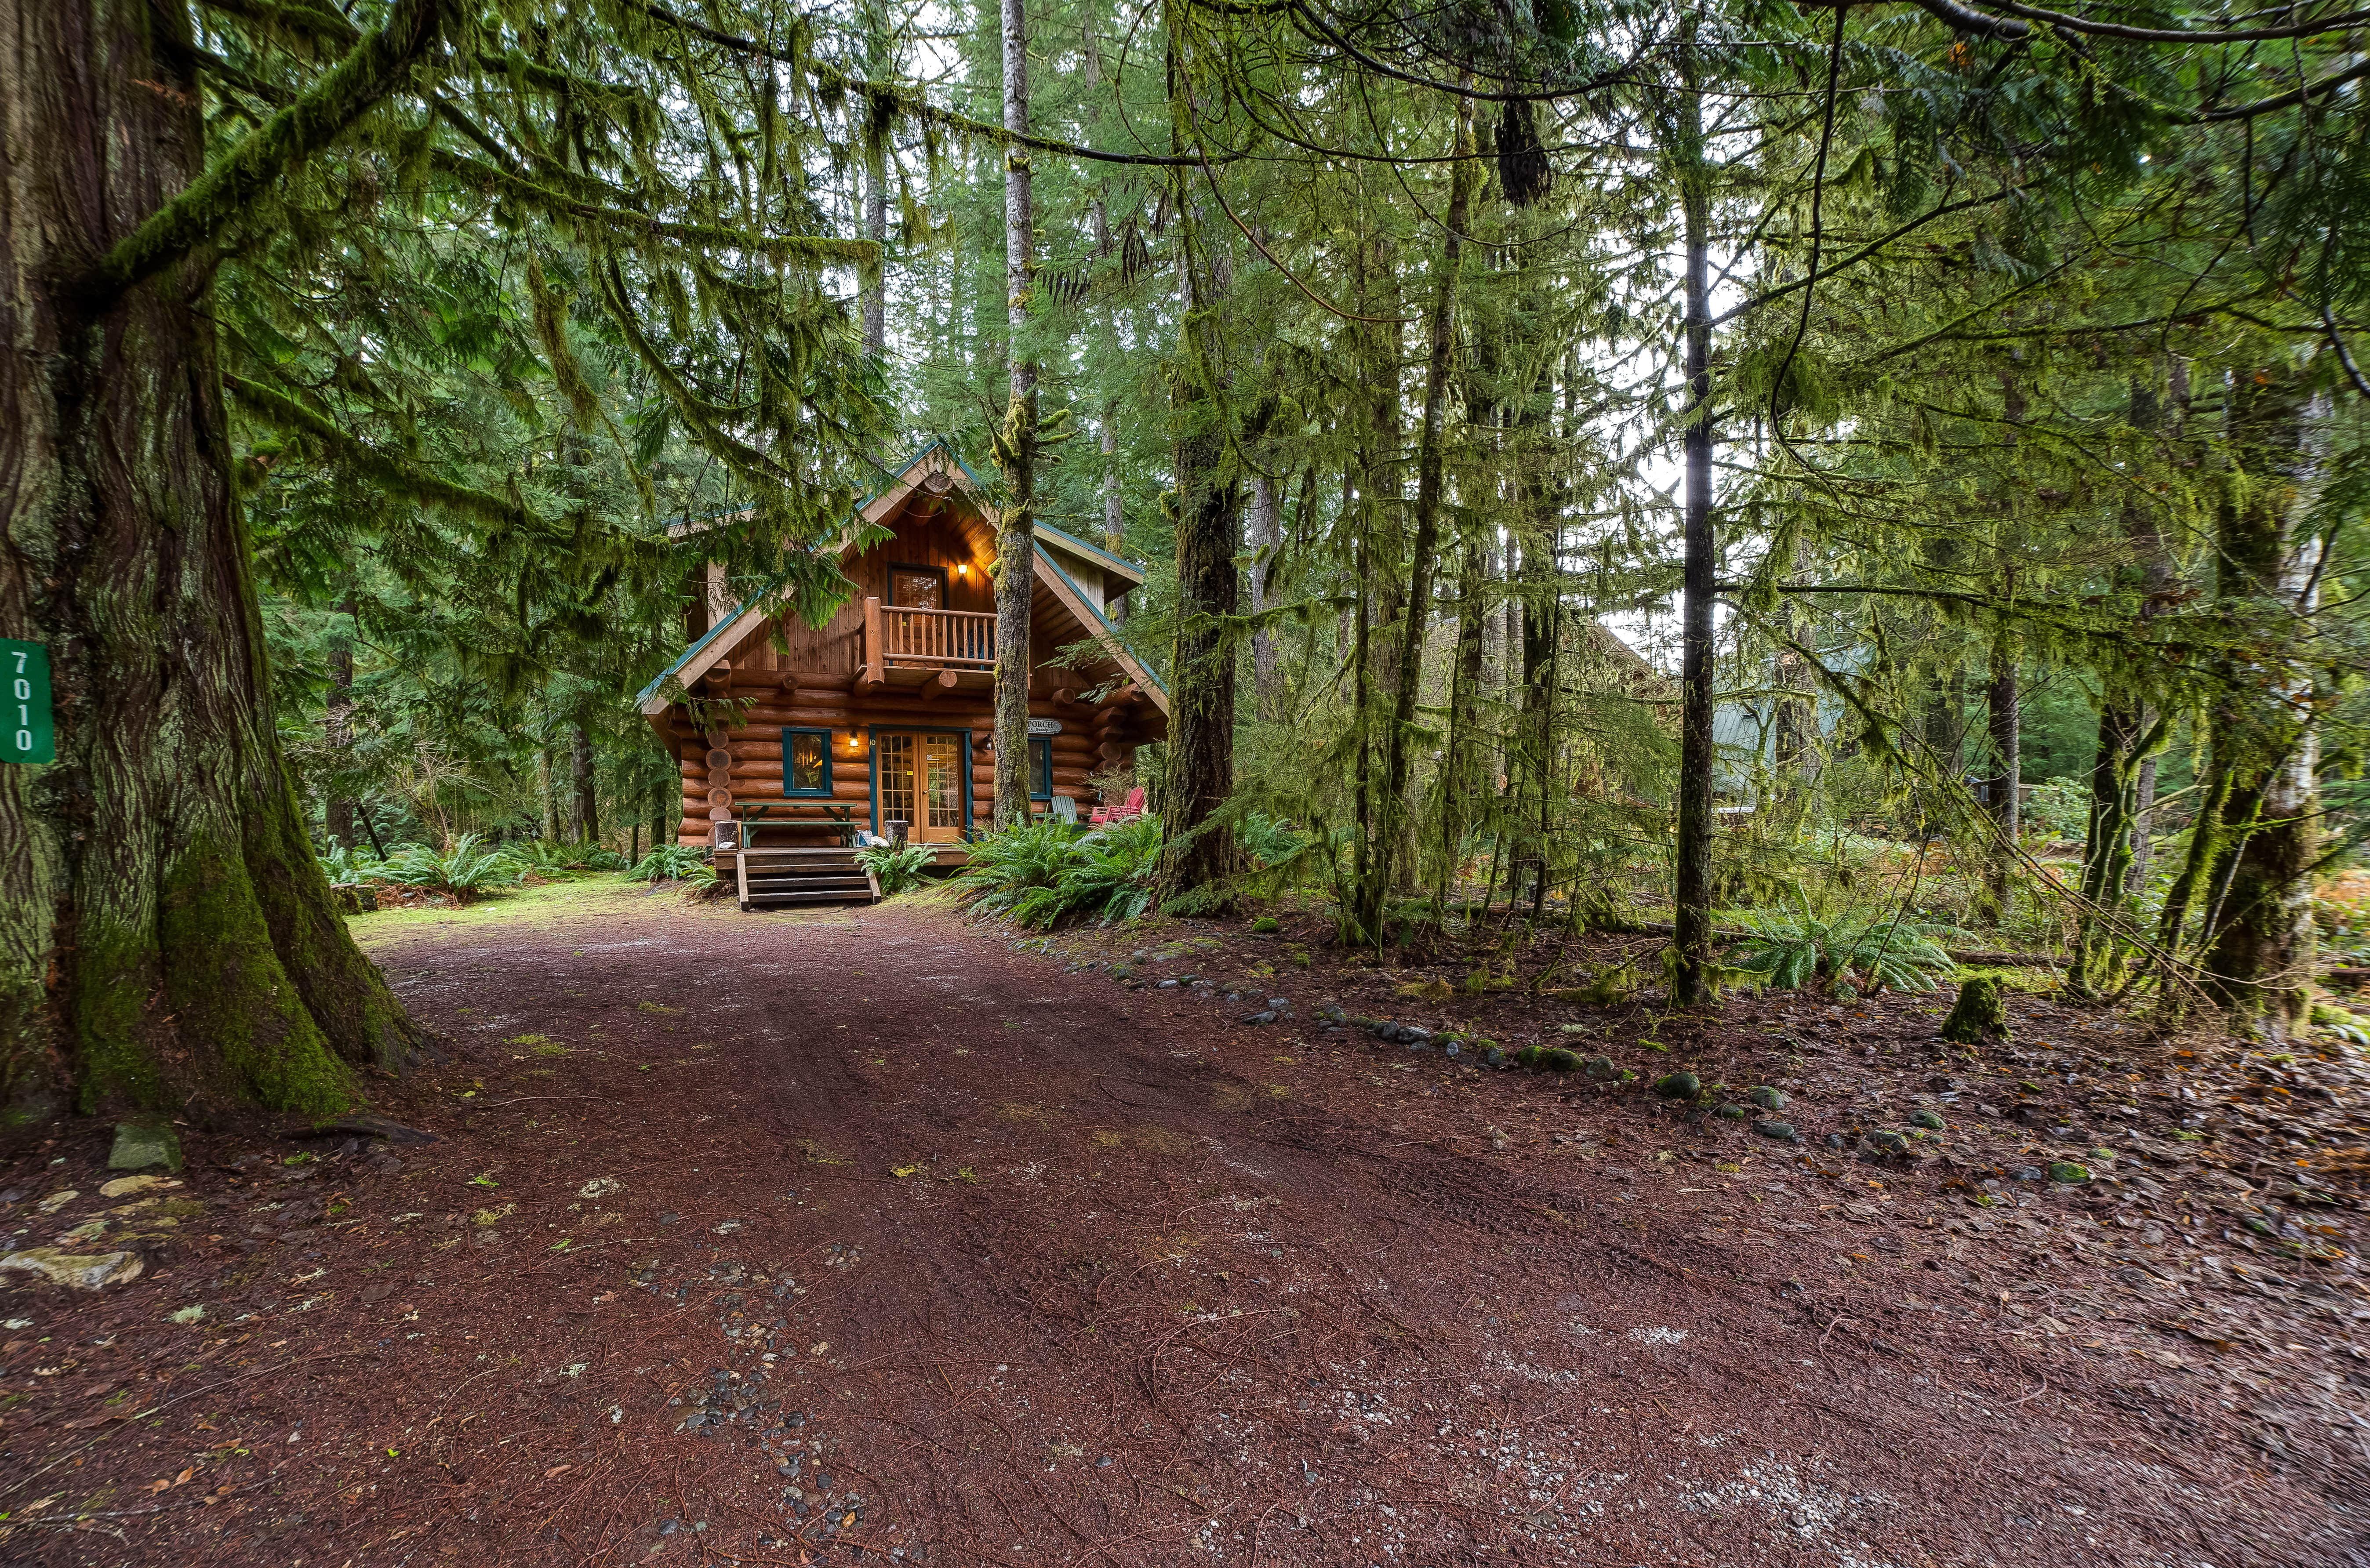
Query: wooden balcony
{"x": 935, "y": 649}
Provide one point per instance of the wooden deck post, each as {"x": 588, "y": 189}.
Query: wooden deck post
{"x": 875, "y": 660}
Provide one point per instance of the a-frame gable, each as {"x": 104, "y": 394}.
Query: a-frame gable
{"x": 934, "y": 469}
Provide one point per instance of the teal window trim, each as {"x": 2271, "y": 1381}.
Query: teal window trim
{"x": 1041, "y": 767}
{"x": 814, "y": 792}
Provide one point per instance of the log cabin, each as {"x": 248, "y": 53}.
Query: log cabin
{"x": 797, "y": 740}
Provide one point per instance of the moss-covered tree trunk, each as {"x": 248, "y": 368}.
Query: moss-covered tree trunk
{"x": 1199, "y": 851}
{"x": 1016, "y": 447}
{"x": 2258, "y": 964}
{"x": 167, "y": 938}
{"x": 1692, "y": 882}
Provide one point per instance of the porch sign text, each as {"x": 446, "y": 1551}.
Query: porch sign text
{"x": 27, "y": 734}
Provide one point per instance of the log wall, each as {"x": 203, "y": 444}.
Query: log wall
{"x": 745, "y": 762}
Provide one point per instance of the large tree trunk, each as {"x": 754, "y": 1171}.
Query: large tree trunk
{"x": 1267, "y": 537}
{"x": 580, "y": 776}
{"x": 1428, "y": 486}
{"x": 1199, "y": 851}
{"x": 2259, "y": 967}
{"x": 1015, "y": 535}
{"x": 167, "y": 938}
{"x": 1692, "y": 935}
{"x": 2004, "y": 699}
{"x": 876, "y": 45}
{"x": 338, "y": 729}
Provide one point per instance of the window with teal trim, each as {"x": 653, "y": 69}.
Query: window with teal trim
{"x": 1041, "y": 768}
{"x": 806, "y": 763}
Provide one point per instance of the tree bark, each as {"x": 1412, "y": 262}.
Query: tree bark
{"x": 1693, "y": 890}
{"x": 1198, "y": 851}
{"x": 1266, "y": 537}
{"x": 1429, "y": 443}
{"x": 338, "y": 729}
{"x": 1016, "y": 539}
{"x": 873, "y": 19}
{"x": 2259, "y": 966}
{"x": 587, "y": 822}
{"x": 167, "y": 942}
{"x": 2005, "y": 717}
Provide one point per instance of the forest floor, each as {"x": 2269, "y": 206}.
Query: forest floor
{"x": 871, "y": 1236}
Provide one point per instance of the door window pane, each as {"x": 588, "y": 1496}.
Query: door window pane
{"x": 944, "y": 755}
{"x": 897, "y": 799}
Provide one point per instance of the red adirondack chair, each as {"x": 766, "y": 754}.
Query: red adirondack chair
{"x": 1111, "y": 815}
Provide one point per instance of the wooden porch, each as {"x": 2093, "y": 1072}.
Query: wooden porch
{"x": 928, "y": 650}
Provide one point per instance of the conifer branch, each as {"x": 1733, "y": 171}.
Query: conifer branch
{"x": 355, "y": 85}
{"x": 397, "y": 477}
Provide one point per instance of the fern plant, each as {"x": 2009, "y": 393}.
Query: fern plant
{"x": 465, "y": 869}
{"x": 546, "y": 857}
{"x": 1793, "y": 950}
{"x": 896, "y": 868}
{"x": 1042, "y": 874}
{"x": 672, "y": 863}
{"x": 349, "y": 867}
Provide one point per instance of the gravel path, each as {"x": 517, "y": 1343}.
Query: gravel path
{"x": 841, "y": 1236}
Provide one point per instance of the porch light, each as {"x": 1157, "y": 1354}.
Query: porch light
{"x": 962, "y": 568}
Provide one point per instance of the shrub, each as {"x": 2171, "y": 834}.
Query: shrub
{"x": 2059, "y": 810}
{"x": 465, "y": 870}
{"x": 1043, "y": 873}
{"x": 897, "y": 868}
{"x": 1790, "y": 951}
{"x": 672, "y": 863}
{"x": 347, "y": 867}
{"x": 547, "y": 857}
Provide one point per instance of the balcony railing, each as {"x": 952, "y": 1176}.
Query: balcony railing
{"x": 933, "y": 639}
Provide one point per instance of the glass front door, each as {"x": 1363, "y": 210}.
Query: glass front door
{"x": 922, "y": 786}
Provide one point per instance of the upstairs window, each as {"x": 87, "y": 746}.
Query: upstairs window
{"x": 806, "y": 763}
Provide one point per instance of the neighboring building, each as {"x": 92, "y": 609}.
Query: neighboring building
{"x": 884, "y": 714}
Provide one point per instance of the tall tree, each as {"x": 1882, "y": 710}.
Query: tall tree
{"x": 1016, "y": 447}
{"x": 1692, "y": 854}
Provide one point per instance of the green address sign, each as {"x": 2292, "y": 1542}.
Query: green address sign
{"x": 27, "y": 734}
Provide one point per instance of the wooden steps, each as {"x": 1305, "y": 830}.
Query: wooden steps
{"x": 774, "y": 878}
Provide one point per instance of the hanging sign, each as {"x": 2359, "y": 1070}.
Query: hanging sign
{"x": 1041, "y": 727}
{"x": 27, "y": 734}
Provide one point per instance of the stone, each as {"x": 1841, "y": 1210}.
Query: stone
{"x": 1556, "y": 1058}
{"x": 601, "y": 1186}
{"x": 124, "y": 1186}
{"x": 2067, "y": 1171}
{"x": 2028, "y": 1173}
{"x": 1495, "y": 1056}
{"x": 1768, "y": 1099}
{"x": 1600, "y": 1068}
{"x": 139, "y": 1145}
{"x": 57, "y": 1200}
{"x": 1930, "y": 1120}
{"x": 1837, "y": 1141}
{"x": 1733, "y": 1113}
{"x": 1168, "y": 985}
{"x": 1782, "y": 1131}
{"x": 1679, "y": 1086}
{"x": 1263, "y": 1017}
{"x": 78, "y": 1271}
{"x": 1890, "y": 1142}
{"x": 1279, "y": 1004}
{"x": 1266, "y": 925}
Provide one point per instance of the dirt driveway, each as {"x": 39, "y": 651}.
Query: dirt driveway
{"x": 838, "y": 1237}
